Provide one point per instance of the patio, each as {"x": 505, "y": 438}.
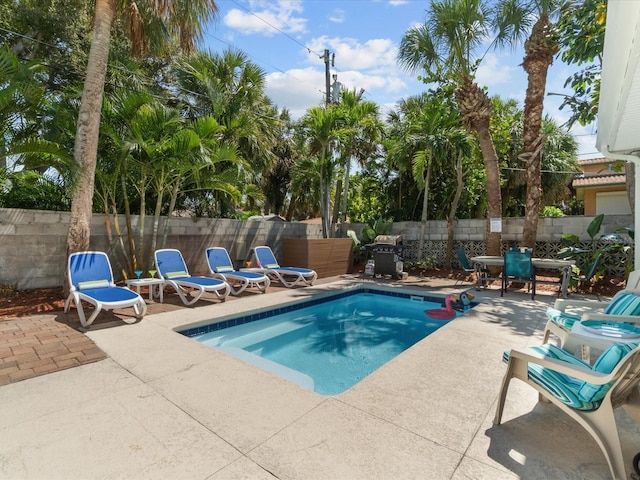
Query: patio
{"x": 163, "y": 406}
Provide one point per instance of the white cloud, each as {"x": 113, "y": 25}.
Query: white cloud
{"x": 267, "y": 18}
{"x": 337, "y": 16}
{"x": 375, "y": 54}
{"x": 296, "y": 89}
{"x": 494, "y": 71}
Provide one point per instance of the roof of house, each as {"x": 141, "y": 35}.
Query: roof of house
{"x": 598, "y": 180}
{"x": 595, "y": 161}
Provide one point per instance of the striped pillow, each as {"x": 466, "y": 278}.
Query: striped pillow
{"x": 605, "y": 363}
{"x": 625, "y": 303}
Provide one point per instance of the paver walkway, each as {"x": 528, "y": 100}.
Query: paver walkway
{"x": 45, "y": 343}
{"x": 37, "y": 345}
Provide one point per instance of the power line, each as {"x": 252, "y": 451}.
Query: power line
{"x": 276, "y": 28}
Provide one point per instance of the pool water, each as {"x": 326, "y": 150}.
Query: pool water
{"x": 329, "y": 346}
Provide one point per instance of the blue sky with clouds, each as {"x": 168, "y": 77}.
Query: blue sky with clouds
{"x": 286, "y": 38}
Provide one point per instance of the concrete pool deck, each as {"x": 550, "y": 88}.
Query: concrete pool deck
{"x": 163, "y": 406}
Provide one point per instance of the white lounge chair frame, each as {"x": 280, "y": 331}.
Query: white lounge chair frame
{"x": 238, "y": 281}
{"x": 596, "y": 313}
{"x": 600, "y": 423}
{"x": 90, "y": 284}
{"x": 287, "y": 276}
{"x": 189, "y": 288}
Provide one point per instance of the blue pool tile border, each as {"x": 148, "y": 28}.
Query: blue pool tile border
{"x": 232, "y": 322}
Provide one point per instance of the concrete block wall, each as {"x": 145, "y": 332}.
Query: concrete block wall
{"x": 549, "y": 229}
{"x": 33, "y": 242}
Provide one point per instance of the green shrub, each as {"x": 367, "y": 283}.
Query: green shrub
{"x": 551, "y": 211}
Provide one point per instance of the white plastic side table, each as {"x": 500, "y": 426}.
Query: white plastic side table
{"x": 582, "y": 336}
{"x": 148, "y": 282}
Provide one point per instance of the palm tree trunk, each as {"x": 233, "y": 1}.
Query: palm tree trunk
{"x": 423, "y": 218}
{"x": 539, "y": 52}
{"x": 86, "y": 143}
{"x": 494, "y": 197}
{"x": 453, "y": 208}
{"x": 345, "y": 192}
{"x": 475, "y": 107}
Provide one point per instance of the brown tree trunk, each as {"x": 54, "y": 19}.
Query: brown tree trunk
{"x": 475, "y": 107}
{"x": 539, "y": 52}
{"x": 452, "y": 210}
{"x": 86, "y": 144}
{"x": 85, "y": 150}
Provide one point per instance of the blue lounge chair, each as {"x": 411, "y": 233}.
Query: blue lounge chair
{"x": 173, "y": 270}
{"x": 221, "y": 267}
{"x": 288, "y": 276}
{"x": 91, "y": 281}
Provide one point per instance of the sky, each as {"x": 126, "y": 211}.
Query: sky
{"x": 287, "y": 39}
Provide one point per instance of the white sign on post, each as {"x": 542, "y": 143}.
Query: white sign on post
{"x": 496, "y": 225}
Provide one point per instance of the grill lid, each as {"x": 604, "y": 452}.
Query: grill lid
{"x": 388, "y": 240}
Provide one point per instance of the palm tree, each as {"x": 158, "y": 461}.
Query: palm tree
{"x": 322, "y": 130}
{"x": 429, "y": 132}
{"x": 444, "y": 47}
{"x": 363, "y": 131}
{"x": 558, "y": 157}
{"x": 515, "y": 20}
{"x": 230, "y": 88}
{"x": 165, "y": 20}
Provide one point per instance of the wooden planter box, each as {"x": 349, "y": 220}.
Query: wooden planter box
{"x": 327, "y": 256}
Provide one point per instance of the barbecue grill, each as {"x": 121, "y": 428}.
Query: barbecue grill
{"x": 387, "y": 251}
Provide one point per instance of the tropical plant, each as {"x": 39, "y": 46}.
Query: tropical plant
{"x": 322, "y": 129}
{"x": 580, "y": 32}
{"x": 362, "y": 133}
{"x": 375, "y": 227}
{"x": 604, "y": 244}
{"x": 444, "y": 46}
{"x": 429, "y": 132}
{"x": 559, "y": 158}
{"x": 550, "y": 211}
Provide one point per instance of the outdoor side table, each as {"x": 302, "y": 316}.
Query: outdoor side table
{"x": 148, "y": 282}
{"x": 599, "y": 334}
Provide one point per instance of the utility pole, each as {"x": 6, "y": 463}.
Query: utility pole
{"x": 327, "y": 76}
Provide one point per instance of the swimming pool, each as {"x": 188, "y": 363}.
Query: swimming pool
{"x": 326, "y": 344}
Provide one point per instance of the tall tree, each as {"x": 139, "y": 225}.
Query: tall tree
{"x": 445, "y": 47}
{"x": 363, "y": 131}
{"x": 322, "y": 130}
{"x": 151, "y": 25}
{"x": 429, "y": 132}
{"x": 558, "y": 157}
{"x": 580, "y": 31}
{"x": 531, "y": 19}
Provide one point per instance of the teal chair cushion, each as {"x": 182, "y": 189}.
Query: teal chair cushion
{"x": 565, "y": 320}
{"x": 624, "y": 304}
{"x": 563, "y": 387}
{"x": 605, "y": 364}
